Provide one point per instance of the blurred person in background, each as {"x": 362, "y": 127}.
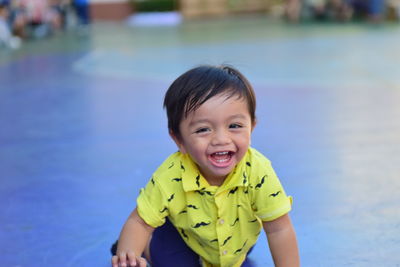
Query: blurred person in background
{"x": 293, "y": 10}
{"x": 372, "y": 10}
{"x": 335, "y": 10}
{"x": 41, "y": 19}
{"x": 17, "y": 18}
{"x": 328, "y": 10}
{"x": 393, "y": 10}
{"x": 82, "y": 10}
{"x": 61, "y": 7}
{"x": 6, "y": 36}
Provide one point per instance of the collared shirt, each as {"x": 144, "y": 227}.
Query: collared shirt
{"x": 220, "y": 223}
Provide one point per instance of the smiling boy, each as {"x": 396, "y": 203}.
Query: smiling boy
{"x": 207, "y": 203}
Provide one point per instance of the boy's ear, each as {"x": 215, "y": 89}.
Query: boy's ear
{"x": 178, "y": 142}
{"x": 254, "y": 124}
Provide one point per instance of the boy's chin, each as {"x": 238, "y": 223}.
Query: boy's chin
{"x": 221, "y": 174}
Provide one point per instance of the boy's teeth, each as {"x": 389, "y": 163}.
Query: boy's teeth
{"x": 221, "y": 157}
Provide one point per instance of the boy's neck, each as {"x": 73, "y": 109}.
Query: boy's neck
{"x": 215, "y": 181}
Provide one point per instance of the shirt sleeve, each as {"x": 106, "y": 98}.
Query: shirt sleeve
{"x": 152, "y": 205}
{"x": 269, "y": 198}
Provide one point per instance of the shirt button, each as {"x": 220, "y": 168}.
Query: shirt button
{"x": 221, "y": 221}
{"x": 224, "y": 252}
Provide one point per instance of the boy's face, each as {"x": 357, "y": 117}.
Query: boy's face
{"x": 216, "y": 135}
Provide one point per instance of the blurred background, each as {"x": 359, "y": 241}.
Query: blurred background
{"x": 82, "y": 126}
{"x": 27, "y": 19}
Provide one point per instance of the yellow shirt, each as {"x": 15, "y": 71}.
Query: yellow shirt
{"x": 218, "y": 223}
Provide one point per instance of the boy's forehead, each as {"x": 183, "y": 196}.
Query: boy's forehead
{"x": 208, "y": 108}
{"x": 222, "y": 97}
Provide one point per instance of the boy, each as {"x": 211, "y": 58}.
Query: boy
{"x": 206, "y": 204}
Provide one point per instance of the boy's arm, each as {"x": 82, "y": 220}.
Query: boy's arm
{"x": 132, "y": 241}
{"x": 282, "y": 242}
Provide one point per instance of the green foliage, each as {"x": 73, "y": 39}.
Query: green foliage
{"x": 154, "y": 5}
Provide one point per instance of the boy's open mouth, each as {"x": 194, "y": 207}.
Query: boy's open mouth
{"x": 221, "y": 158}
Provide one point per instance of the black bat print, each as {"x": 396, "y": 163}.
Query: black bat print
{"x": 203, "y": 192}
{"x": 275, "y": 194}
{"x": 244, "y": 178}
{"x": 182, "y": 167}
{"x": 200, "y": 224}
{"x": 261, "y": 183}
{"x": 171, "y": 198}
{"x": 248, "y": 164}
{"x": 233, "y": 191}
{"x": 152, "y": 180}
{"x": 246, "y": 191}
{"x": 253, "y": 220}
{"x": 172, "y": 165}
{"x": 165, "y": 209}
{"x": 226, "y": 240}
{"x": 238, "y": 205}
{"x": 198, "y": 180}
{"x": 184, "y": 234}
{"x": 214, "y": 240}
{"x": 182, "y": 212}
{"x": 192, "y": 206}
{"x": 200, "y": 192}
{"x": 176, "y": 179}
{"x": 237, "y": 219}
{"x": 240, "y": 249}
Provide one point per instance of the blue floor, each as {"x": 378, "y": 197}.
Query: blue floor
{"x": 82, "y": 128}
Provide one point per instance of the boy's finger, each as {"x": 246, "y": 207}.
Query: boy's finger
{"x": 122, "y": 259}
{"x": 142, "y": 262}
{"x": 132, "y": 258}
{"x": 114, "y": 261}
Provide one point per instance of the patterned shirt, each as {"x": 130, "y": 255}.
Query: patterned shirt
{"x": 219, "y": 223}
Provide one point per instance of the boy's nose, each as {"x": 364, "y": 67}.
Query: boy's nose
{"x": 220, "y": 138}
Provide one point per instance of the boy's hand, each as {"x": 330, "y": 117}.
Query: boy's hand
{"x": 128, "y": 258}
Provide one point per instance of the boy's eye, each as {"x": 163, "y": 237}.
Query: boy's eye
{"x": 235, "y": 126}
{"x": 201, "y": 130}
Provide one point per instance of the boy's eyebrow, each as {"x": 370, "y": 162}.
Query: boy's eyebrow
{"x": 238, "y": 116}
{"x": 235, "y": 116}
{"x": 194, "y": 122}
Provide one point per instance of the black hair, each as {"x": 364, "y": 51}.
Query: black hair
{"x": 193, "y": 88}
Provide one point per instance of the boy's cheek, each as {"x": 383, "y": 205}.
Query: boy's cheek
{"x": 178, "y": 143}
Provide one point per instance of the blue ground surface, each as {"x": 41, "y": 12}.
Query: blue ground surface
{"x": 82, "y": 128}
